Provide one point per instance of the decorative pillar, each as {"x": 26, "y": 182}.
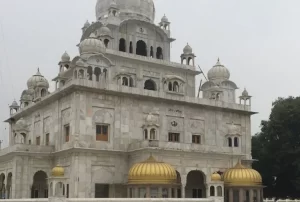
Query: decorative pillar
{"x": 148, "y": 192}
{"x": 170, "y": 193}
{"x": 258, "y": 196}
{"x": 241, "y": 195}
{"x": 183, "y": 190}
{"x": 160, "y": 192}
{"x": 251, "y": 195}
{"x": 230, "y": 195}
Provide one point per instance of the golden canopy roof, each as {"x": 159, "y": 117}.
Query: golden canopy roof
{"x": 242, "y": 176}
{"x": 216, "y": 177}
{"x": 58, "y": 171}
{"x": 152, "y": 172}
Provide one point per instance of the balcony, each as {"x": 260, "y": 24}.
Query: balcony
{"x": 145, "y": 144}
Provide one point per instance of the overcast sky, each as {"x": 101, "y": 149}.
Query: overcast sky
{"x": 258, "y": 41}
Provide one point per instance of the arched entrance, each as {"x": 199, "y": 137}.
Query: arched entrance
{"x": 195, "y": 185}
{"x": 2, "y": 186}
{"x": 150, "y": 85}
{"x": 141, "y": 48}
{"x": 39, "y": 188}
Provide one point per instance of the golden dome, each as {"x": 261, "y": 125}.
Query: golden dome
{"x": 152, "y": 172}
{"x": 58, "y": 171}
{"x": 216, "y": 177}
{"x": 242, "y": 176}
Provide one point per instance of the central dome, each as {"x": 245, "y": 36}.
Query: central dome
{"x": 152, "y": 172}
{"x": 141, "y": 9}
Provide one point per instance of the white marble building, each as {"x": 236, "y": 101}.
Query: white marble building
{"x": 118, "y": 101}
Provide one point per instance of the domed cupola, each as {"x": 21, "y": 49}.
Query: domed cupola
{"x": 91, "y": 46}
{"x": 152, "y": 172}
{"x": 104, "y": 31}
{"x": 218, "y": 73}
{"x": 240, "y": 175}
{"x": 37, "y": 80}
{"x": 140, "y": 9}
{"x": 65, "y": 57}
{"x": 187, "y": 49}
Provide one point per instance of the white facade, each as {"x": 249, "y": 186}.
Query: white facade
{"x": 120, "y": 100}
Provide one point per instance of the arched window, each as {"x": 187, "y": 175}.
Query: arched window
{"x": 159, "y": 53}
{"x": 170, "y": 86}
{"x": 105, "y": 72}
{"x": 219, "y": 191}
{"x": 81, "y": 74}
{"x": 176, "y": 87}
{"x": 97, "y": 72}
{"x": 122, "y": 45}
{"x": 130, "y": 47}
{"x": 125, "y": 81}
{"x": 43, "y": 92}
{"x": 141, "y": 48}
{"x": 236, "y": 142}
{"x": 150, "y": 85}
{"x": 229, "y": 142}
{"x": 106, "y": 42}
{"x": 151, "y": 52}
{"x": 90, "y": 73}
{"x": 212, "y": 191}
{"x": 75, "y": 74}
{"x": 131, "y": 82}
{"x": 26, "y": 104}
{"x": 189, "y": 60}
{"x": 152, "y": 134}
{"x": 146, "y": 134}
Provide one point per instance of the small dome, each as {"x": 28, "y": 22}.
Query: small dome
{"x": 21, "y": 124}
{"x": 37, "y": 80}
{"x": 26, "y": 96}
{"x": 164, "y": 19}
{"x": 14, "y": 104}
{"x": 58, "y": 171}
{"x": 242, "y": 176}
{"x": 91, "y": 46}
{"x": 245, "y": 93}
{"x": 80, "y": 63}
{"x": 104, "y": 31}
{"x": 216, "y": 177}
{"x": 187, "y": 49}
{"x": 65, "y": 57}
{"x": 86, "y": 24}
{"x": 218, "y": 72}
{"x": 152, "y": 172}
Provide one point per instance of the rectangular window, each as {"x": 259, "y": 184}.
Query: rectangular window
{"x": 47, "y": 139}
{"x": 102, "y": 133}
{"x": 174, "y": 137}
{"x": 29, "y": 141}
{"x": 67, "y": 133}
{"x": 38, "y": 140}
{"x": 196, "y": 139}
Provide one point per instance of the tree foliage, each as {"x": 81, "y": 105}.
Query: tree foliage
{"x": 277, "y": 149}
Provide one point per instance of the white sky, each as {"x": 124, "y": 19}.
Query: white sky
{"x": 258, "y": 41}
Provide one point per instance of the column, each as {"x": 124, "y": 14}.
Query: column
{"x": 148, "y": 192}
{"x": 170, "y": 192}
{"x": 230, "y": 195}
{"x": 251, "y": 195}
{"x": 183, "y": 190}
{"x": 258, "y": 196}
{"x": 241, "y": 195}
{"x": 175, "y": 192}
{"x": 160, "y": 192}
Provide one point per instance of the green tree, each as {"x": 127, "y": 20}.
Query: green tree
{"x": 277, "y": 149}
